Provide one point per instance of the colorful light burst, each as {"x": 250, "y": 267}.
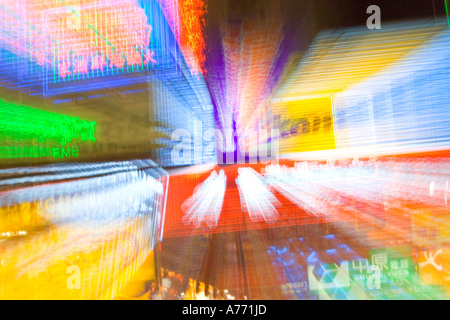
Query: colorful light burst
{"x": 74, "y": 214}
{"x": 250, "y": 52}
{"x": 78, "y": 39}
{"x": 386, "y": 92}
{"x": 186, "y": 19}
{"x": 192, "y": 22}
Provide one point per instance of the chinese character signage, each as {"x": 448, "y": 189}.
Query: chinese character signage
{"x": 90, "y": 42}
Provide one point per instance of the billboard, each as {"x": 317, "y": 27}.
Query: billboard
{"x": 305, "y": 124}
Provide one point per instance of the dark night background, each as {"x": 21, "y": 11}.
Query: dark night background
{"x": 345, "y": 13}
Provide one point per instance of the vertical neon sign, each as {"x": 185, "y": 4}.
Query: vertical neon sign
{"x": 446, "y": 10}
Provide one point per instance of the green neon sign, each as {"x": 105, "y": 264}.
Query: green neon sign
{"x": 446, "y": 10}
{"x": 18, "y": 152}
{"x": 22, "y": 123}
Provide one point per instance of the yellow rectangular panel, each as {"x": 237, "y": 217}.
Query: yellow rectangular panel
{"x": 305, "y": 125}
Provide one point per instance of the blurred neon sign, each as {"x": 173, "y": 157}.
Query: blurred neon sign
{"x": 20, "y": 123}
{"x": 186, "y": 19}
{"x": 31, "y": 133}
{"x": 192, "y": 20}
{"x": 14, "y": 152}
{"x": 59, "y": 33}
{"x": 99, "y": 37}
{"x": 54, "y": 43}
{"x": 446, "y": 10}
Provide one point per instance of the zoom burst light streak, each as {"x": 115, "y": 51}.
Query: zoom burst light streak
{"x": 388, "y": 194}
{"x": 258, "y": 49}
{"x": 104, "y": 223}
{"x": 205, "y": 205}
{"x": 77, "y": 38}
{"x": 192, "y": 21}
{"x": 186, "y": 19}
{"x": 250, "y": 52}
{"x": 290, "y": 183}
{"x": 256, "y": 197}
{"x": 388, "y": 90}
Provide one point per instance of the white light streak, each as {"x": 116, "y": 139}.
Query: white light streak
{"x": 256, "y": 198}
{"x": 205, "y": 205}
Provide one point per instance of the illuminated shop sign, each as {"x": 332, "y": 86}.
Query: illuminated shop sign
{"x": 305, "y": 124}
{"x": 433, "y": 267}
{"x": 21, "y": 123}
{"x": 97, "y": 39}
{"x": 31, "y": 133}
{"x": 58, "y": 42}
{"x": 14, "y": 152}
{"x": 186, "y": 19}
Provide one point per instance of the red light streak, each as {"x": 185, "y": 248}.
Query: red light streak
{"x": 192, "y": 42}
{"x": 364, "y": 199}
{"x": 186, "y": 19}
